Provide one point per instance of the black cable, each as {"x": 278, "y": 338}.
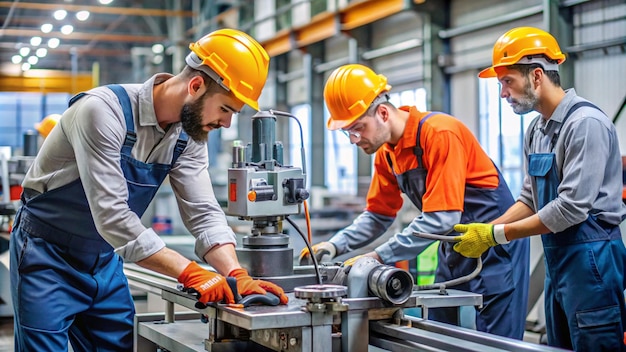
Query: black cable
{"x": 308, "y": 245}
{"x": 302, "y": 156}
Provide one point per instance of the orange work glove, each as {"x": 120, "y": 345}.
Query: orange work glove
{"x": 246, "y": 285}
{"x": 207, "y": 285}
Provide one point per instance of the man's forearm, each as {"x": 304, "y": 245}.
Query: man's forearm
{"x": 223, "y": 258}
{"x": 517, "y": 211}
{"x": 166, "y": 261}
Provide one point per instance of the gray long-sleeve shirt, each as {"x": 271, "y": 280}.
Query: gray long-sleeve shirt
{"x": 87, "y": 143}
{"x": 588, "y": 162}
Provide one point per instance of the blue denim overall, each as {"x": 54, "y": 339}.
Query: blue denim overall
{"x": 66, "y": 280}
{"x": 584, "y": 286}
{"x": 504, "y": 280}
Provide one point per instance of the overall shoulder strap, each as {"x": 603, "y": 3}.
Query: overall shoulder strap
{"x": 418, "y": 150}
{"x": 131, "y": 136}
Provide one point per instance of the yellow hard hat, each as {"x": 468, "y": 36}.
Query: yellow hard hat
{"x": 520, "y": 43}
{"x": 47, "y": 124}
{"x": 236, "y": 61}
{"x": 349, "y": 91}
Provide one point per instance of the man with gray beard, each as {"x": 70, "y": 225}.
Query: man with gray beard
{"x": 571, "y": 196}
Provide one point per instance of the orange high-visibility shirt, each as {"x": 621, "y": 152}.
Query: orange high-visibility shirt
{"x": 452, "y": 156}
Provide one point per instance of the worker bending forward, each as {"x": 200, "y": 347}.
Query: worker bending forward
{"x": 440, "y": 166}
{"x": 92, "y": 180}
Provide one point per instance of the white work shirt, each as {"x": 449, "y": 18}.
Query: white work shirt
{"x": 87, "y": 143}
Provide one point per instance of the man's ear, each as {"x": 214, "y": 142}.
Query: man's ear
{"x": 195, "y": 85}
{"x": 537, "y": 76}
{"x": 383, "y": 111}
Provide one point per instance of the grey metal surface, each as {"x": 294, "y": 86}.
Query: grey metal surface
{"x": 440, "y": 336}
{"x": 266, "y": 262}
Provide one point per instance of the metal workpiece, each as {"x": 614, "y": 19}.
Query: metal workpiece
{"x": 323, "y": 298}
{"x": 368, "y": 277}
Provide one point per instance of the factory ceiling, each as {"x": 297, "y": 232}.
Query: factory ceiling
{"x": 33, "y": 35}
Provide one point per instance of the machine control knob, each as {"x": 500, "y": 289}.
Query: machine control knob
{"x": 295, "y": 191}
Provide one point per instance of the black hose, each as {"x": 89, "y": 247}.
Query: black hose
{"x": 441, "y": 286}
{"x": 308, "y": 245}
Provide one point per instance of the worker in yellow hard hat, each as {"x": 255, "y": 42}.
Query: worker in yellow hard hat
{"x": 45, "y": 126}
{"x": 89, "y": 186}
{"x": 436, "y": 161}
{"x": 571, "y": 195}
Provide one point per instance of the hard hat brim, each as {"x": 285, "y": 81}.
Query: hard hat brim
{"x": 489, "y": 72}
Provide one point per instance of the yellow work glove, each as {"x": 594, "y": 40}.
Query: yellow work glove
{"x": 351, "y": 261}
{"x": 475, "y": 239}
{"x": 322, "y": 250}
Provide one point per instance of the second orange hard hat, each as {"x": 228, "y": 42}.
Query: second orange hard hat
{"x": 348, "y": 93}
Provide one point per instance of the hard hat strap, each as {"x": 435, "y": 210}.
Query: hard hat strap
{"x": 538, "y": 59}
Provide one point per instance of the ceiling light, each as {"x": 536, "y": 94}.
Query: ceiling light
{"x": 67, "y": 29}
{"x": 25, "y": 66}
{"x": 157, "y": 59}
{"x": 33, "y": 60}
{"x": 46, "y": 27}
{"x": 59, "y": 14}
{"x": 53, "y": 43}
{"x": 35, "y": 41}
{"x": 24, "y": 51}
{"x": 41, "y": 52}
{"x": 16, "y": 59}
{"x": 105, "y": 2}
{"x": 82, "y": 15}
{"x": 158, "y": 48}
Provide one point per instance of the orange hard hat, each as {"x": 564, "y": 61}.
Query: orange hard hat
{"x": 519, "y": 43}
{"x": 47, "y": 124}
{"x": 349, "y": 91}
{"x": 236, "y": 61}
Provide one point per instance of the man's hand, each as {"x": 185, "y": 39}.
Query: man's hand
{"x": 353, "y": 260}
{"x": 350, "y": 261}
{"x": 246, "y": 285}
{"x": 321, "y": 250}
{"x": 475, "y": 240}
{"x": 207, "y": 285}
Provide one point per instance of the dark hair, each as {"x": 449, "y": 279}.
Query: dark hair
{"x": 211, "y": 85}
{"x": 371, "y": 110}
{"x": 525, "y": 69}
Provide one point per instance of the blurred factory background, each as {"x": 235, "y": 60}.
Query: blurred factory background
{"x": 431, "y": 52}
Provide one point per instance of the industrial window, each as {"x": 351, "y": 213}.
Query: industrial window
{"x": 501, "y": 133}
{"x": 20, "y": 112}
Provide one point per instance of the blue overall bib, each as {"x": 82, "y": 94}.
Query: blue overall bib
{"x": 504, "y": 280}
{"x": 66, "y": 280}
{"x": 584, "y": 298}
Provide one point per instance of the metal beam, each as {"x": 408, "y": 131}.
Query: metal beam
{"x": 475, "y": 26}
{"x": 133, "y": 11}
